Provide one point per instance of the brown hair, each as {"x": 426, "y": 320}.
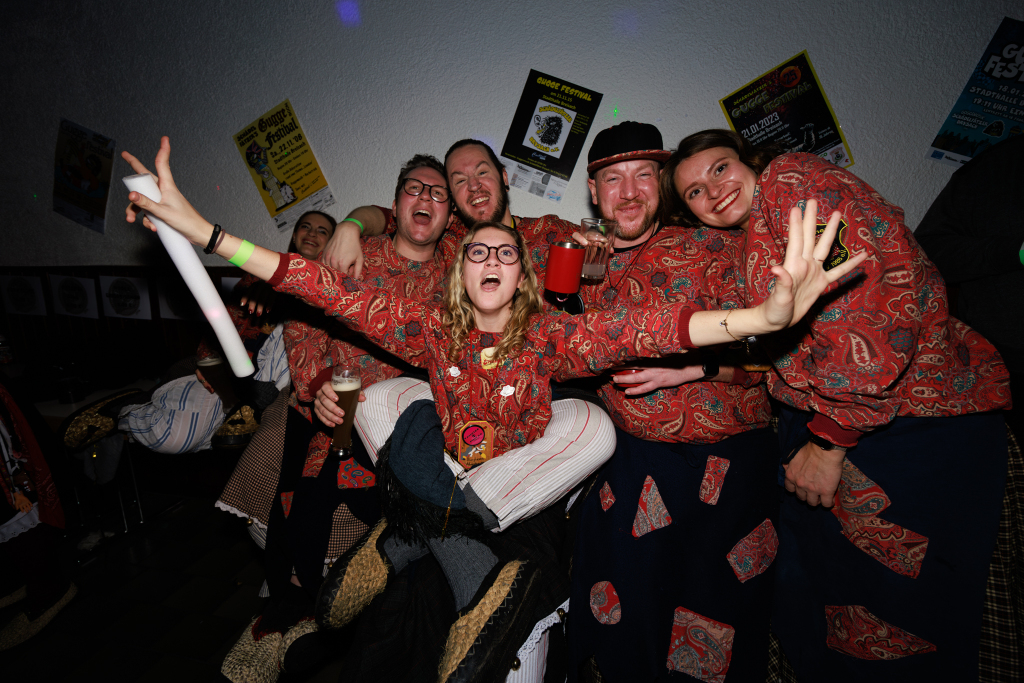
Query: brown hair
{"x": 420, "y": 161}
{"x": 458, "y": 314}
{"x": 674, "y": 210}
{"x": 330, "y": 220}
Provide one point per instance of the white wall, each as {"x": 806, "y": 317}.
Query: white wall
{"x": 417, "y": 76}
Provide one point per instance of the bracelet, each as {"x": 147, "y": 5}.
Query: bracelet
{"x": 361, "y": 229}
{"x": 213, "y": 240}
{"x": 711, "y": 366}
{"x": 243, "y": 253}
{"x": 219, "y": 240}
{"x": 724, "y": 322}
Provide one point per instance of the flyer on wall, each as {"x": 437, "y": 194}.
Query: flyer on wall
{"x": 991, "y": 106}
{"x": 81, "y": 181}
{"x": 787, "y": 105}
{"x": 547, "y": 134}
{"x": 283, "y": 167}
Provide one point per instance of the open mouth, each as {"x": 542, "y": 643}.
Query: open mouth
{"x": 421, "y": 217}
{"x": 490, "y": 282}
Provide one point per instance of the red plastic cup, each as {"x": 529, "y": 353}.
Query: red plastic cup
{"x": 622, "y": 386}
{"x": 564, "y": 268}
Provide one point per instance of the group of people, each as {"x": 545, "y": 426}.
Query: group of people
{"x": 655, "y": 515}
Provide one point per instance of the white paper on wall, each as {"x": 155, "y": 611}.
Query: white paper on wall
{"x": 125, "y": 297}
{"x": 23, "y": 294}
{"x": 74, "y": 296}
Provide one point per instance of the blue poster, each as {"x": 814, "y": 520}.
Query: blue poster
{"x": 991, "y": 107}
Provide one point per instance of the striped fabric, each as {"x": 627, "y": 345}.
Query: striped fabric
{"x": 182, "y": 416}
{"x": 579, "y": 438}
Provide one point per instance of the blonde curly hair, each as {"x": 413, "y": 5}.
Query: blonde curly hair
{"x": 458, "y": 314}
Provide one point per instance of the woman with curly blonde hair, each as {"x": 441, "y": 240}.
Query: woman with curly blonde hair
{"x": 491, "y": 382}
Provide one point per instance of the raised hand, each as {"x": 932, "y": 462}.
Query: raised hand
{"x": 801, "y": 279}
{"x": 172, "y": 208}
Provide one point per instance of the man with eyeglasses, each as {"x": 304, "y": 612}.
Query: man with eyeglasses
{"x": 479, "y": 188}
{"x": 327, "y": 513}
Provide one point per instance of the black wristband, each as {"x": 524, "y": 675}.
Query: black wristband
{"x": 823, "y": 443}
{"x": 213, "y": 240}
{"x": 710, "y": 367}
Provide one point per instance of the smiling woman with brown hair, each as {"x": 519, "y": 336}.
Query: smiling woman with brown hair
{"x": 883, "y": 395}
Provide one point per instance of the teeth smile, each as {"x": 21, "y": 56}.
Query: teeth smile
{"x": 724, "y": 204}
{"x": 479, "y": 201}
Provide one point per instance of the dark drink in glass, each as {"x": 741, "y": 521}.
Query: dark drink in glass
{"x": 346, "y": 383}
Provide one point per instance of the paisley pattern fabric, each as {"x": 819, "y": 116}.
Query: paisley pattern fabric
{"x": 883, "y": 345}
{"x": 859, "y": 500}
{"x": 604, "y": 603}
{"x": 314, "y": 347}
{"x": 607, "y": 498}
{"x": 700, "y": 647}
{"x": 754, "y": 553}
{"x": 316, "y": 454}
{"x": 352, "y": 475}
{"x": 538, "y": 233}
{"x": 714, "y": 476}
{"x": 651, "y": 513}
{"x": 855, "y": 631}
{"x": 694, "y": 266}
{"x": 557, "y": 346}
{"x": 286, "y": 502}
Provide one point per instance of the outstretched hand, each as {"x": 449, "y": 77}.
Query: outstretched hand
{"x": 801, "y": 278}
{"x": 172, "y": 208}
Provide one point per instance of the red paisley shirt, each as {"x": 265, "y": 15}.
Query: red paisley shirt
{"x": 882, "y": 345}
{"x": 538, "y": 233}
{"x": 515, "y": 396}
{"x": 314, "y": 349}
{"x": 694, "y": 267}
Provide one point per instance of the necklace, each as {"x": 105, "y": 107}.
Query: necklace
{"x": 632, "y": 262}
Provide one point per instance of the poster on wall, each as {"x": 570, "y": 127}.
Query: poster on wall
{"x": 548, "y": 131}
{"x": 788, "y": 106}
{"x": 991, "y": 106}
{"x": 125, "y": 297}
{"x": 74, "y": 296}
{"x": 23, "y": 294}
{"x": 81, "y": 175}
{"x": 283, "y": 167}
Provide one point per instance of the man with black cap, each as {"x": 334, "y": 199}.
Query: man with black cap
{"x": 674, "y": 549}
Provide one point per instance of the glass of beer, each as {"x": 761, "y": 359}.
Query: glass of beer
{"x": 600, "y": 234}
{"x": 346, "y": 383}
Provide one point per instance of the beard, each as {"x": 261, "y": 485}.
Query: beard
{"x": 499, "y": 210}
{"x": 629, "y": 233}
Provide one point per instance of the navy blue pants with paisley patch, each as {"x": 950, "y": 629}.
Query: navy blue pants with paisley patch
{"x": 944, "y": 478}
{"x": 678, "y": 596}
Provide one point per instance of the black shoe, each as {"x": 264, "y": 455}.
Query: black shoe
{"x": 483, "y": 641}
{"x": 354, "y": 580}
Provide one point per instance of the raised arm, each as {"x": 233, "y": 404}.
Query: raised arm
{"x": 344, "y": 251}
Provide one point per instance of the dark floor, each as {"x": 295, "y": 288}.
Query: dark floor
{"x": 164, "y": 601}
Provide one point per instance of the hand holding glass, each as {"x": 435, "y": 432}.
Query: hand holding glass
{"x": 346, "y": 383}
{"x": 600, "y": 234}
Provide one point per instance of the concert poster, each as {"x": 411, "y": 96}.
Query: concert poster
{"x": 547, "y": 134}
{"x": 991, "y": 106}
{"x": 283, "y": 167}
{"x": 787, "y": 105}
{"x": 81, "y": 175}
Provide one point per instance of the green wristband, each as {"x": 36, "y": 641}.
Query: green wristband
{"x": 243, "y": 253}
{"x": 361, "y": 228}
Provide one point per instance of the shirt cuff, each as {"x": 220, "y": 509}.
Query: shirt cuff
{"x": 684, "y": 328}
{"x": 282, "y": 269}
{"x": 827, "y": 428}
{"x": 321, "y": 378}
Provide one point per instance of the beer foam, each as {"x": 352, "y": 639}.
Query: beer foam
{"x": 346, "y": 383}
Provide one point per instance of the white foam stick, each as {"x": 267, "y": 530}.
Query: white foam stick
{"x": 197, "y": 279}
